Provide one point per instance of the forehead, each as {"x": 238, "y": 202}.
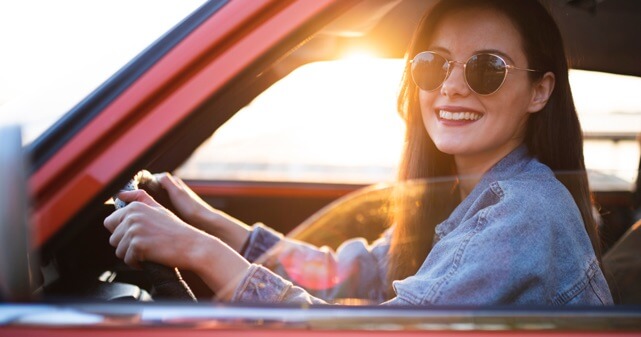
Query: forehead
{"x": 468, "y": 31}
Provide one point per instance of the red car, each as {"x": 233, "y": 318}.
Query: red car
{"x": 187, "y": 102}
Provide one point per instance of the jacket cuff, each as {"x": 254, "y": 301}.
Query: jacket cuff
{"x": 260, "y": 240}
{"x": 260, "y": 285}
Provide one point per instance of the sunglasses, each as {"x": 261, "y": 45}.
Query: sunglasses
{"x": 485, "y": 73}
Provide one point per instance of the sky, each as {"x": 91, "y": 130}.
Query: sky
{"x": 46, "y": 44}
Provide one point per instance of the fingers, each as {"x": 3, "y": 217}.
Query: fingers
{"x": 127, "y": 232}
{"x": 184, "y": 200}
{"x": 131, "y": 257}
{"x": 129, "y": 224}
{"x": 116, "y": 235}
{"x": 137, "y": 195}
{"x": 114, "y": 219}
{"x": 138, "y": 226}
{"x": 181, "y": 183}
{"x": 130, "y": 251}
{"x": 172, "y": 184}
{"x": 175, "y": 187}
{"x": 142, "y": 223}
{"x": 167, "y": 181}
{"x": 122, "y": 244}
{"x": 125, "y": 223}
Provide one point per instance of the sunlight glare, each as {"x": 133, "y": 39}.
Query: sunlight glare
{"x": 359, "y": 55}
{"x": 328, "y": 121}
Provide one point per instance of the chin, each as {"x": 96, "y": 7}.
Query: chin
{"x": 451, "y": 149}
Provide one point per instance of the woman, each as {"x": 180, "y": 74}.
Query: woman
{"x": 486, "y": 98}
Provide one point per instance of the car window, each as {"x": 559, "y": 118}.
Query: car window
{"x": 332, "y": 121}
{"x": 56, "y": 52}
{"x": 336, "y": 121}
{"x": 610, "y": 113}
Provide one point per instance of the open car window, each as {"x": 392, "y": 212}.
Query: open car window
{"x": 331, "y": 122}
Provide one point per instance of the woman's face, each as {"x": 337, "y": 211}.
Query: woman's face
{"x": 496, "y": 123}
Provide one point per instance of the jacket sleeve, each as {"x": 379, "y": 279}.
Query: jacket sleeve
{"x": 287, "y": 270}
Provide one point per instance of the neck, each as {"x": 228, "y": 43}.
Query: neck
{"x": 471, "y": 167}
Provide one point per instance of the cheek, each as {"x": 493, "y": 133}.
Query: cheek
{"x": 426, "y": 103}
{"x": 425, "y": 98}
{"x": 510, "y": 115}
{"x": 516, "y": 107}
{"x": 517, "y": 93}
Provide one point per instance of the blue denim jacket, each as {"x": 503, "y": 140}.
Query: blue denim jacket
{"x": 517, "y": 238}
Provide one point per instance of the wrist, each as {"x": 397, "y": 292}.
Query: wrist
{"x": 218, "y": 265}
{"x": 201, "y": 254}
{"x": 203, "y": 218}
{"x": 210, "y": 221}
{"x": 231, "y": 231}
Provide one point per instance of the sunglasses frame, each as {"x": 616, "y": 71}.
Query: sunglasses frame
{"x": 448, "y": 71}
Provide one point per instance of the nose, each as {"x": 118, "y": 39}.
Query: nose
{"x": 454, "y": 84}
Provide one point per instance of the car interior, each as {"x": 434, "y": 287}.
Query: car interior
{"x": 78, "y": 263}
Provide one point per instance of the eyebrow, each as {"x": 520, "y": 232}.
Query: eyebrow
{"x": 482, "y": 51}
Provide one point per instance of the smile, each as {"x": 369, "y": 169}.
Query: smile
{"x": 459, "y": 116}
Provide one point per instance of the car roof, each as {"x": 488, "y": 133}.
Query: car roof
{"x": 599, "y": 35}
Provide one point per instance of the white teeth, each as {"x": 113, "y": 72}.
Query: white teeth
{"x": 458, "y": 116}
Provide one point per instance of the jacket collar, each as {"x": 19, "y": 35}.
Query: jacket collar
{"x": 507, "y": 167}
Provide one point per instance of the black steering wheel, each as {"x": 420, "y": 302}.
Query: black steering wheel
{"x": 167, "y": 283}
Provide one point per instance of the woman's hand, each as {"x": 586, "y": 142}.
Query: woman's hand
{"x": 146, "y": 231}
{"x": 190, "y": 206}
{"x": 201, "y": 215}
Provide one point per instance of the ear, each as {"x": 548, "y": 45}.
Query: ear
{"x": 541, "y": 92}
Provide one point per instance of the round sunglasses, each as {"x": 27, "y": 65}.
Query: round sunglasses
{"x": 485, "y": 73}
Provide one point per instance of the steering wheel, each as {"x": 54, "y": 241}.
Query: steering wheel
{"x": 167, "y": 283}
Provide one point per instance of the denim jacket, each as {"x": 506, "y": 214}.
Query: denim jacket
{"x": 517, "y": 238}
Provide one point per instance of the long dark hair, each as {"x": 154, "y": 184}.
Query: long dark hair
{"x": 553, "y": 134}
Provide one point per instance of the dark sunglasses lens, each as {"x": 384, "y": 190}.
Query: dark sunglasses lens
{"x": 485, "y": 73}
{"x": 429, "y": 70}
